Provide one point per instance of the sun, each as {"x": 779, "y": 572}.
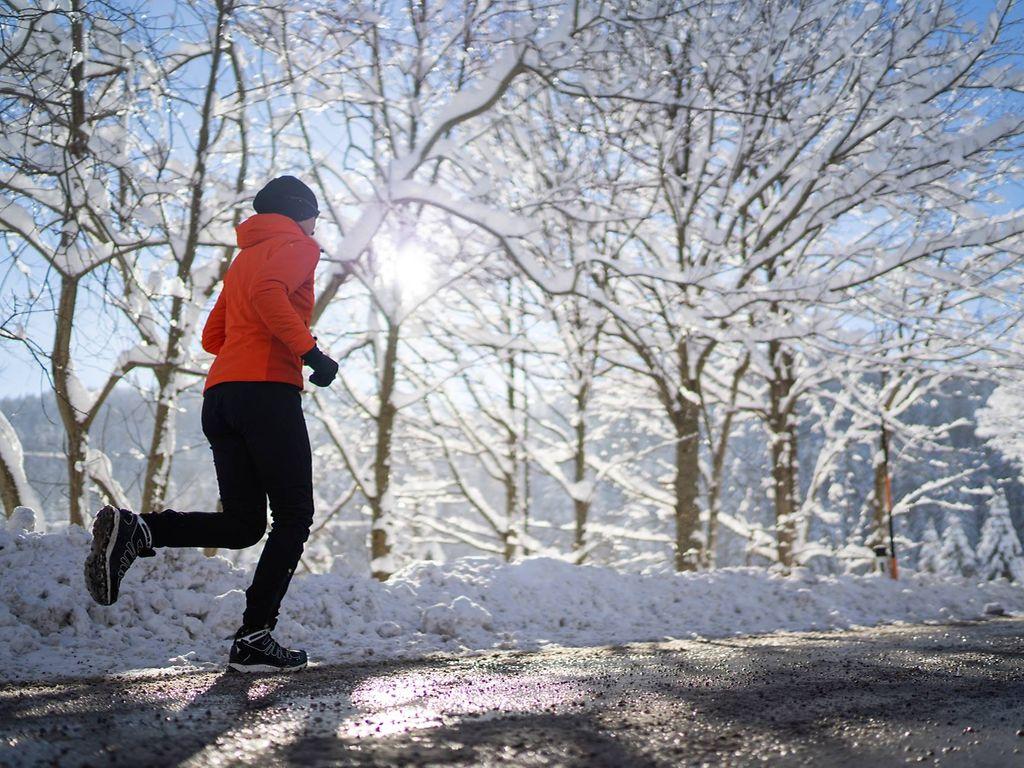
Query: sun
{"x": 408, "y": 268}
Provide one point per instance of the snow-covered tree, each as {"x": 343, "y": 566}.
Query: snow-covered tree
{"x": 999, "y": 553}
{"x": 484, "y": 445}
{"x": 76, "y": 80}
{"x": 999, "y": 421}
{"x": 402, "y": 114}
{"x": 957, "y": 557}
{"x": 929, "y": 557}
{"x": 692, "y": 256}
{"x": 795, "y": 182}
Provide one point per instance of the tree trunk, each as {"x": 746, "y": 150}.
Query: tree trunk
{"x": 686, "y": 485}
{"x": 9, "y": 495}
{"x": 511, "y": 479}
{"x": 581, "y": 507}
{"x": 75, "y": 453}
{"x": 783, "y": 438}
{"x": 15, "y": 490}
{"x": 879, "y": 508}
{"x": 60, "y": 360}
{"x": 718, "y": 465}
{"x": 715, "y": 494}
{"x": 71, "y": 418}
{"x": 879, "y": 518}
{"x": 684, "y": 412}
{"x": 154, "y": 489}
{"x": 380, "y": 504}
{"x": 524, "y": 499}
{"x": 512, "y": 443}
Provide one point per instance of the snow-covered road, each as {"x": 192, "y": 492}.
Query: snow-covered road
{"x": 176, "y": 609}
{"x": 945, "y": 695}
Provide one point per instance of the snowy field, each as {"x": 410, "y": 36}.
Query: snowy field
{"x": 177, "y": 609}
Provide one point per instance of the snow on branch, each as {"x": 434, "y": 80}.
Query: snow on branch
{"x": 12, "y": 466}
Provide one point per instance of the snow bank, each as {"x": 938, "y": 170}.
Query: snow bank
{"x": 178, "y": 608}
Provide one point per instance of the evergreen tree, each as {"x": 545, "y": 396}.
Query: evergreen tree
{"x": 999, "y": 551}
{"x": 956, "y": 558}
{"x": 929, "y": 559}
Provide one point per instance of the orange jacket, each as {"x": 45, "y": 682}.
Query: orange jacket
{"x": 259, "y": 327}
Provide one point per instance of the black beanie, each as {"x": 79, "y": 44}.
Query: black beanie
{"x": 289, "y": 197}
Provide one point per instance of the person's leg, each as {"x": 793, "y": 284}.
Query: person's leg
{"x": 243, "y": 520}
{"x": 276, "y": 437}
{"x": 120, "y": 536}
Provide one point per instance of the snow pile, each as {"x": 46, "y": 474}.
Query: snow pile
{"x": 179, "y": 607}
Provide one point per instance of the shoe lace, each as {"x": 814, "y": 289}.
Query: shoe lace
{"x": 268, "y": 645}
{"x": 137, "y": 541}
{"x": 127, "y": 558}
{"x": 275, "y": 649}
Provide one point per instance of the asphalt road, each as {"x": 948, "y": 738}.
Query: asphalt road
{"x": 945, "y": 695}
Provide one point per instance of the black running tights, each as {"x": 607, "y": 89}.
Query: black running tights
{"x": 260, "y": 450}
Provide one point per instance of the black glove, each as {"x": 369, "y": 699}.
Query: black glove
{"x": 324, "y": 369}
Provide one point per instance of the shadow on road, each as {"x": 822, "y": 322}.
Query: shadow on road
{"x": 843, "y": 699}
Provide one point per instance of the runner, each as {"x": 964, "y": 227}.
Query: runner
{"x": 252, "y": 416}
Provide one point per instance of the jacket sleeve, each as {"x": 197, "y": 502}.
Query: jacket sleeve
{"x": 213, "y": 331}
{"x": 280, "y": 275}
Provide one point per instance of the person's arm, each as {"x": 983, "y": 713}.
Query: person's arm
{"x": 282, "y": 274}
{"x": 213, "y": 331}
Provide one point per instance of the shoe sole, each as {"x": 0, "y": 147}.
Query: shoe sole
{"x": 97, "y": 564}
{"x": 250, "y": 668}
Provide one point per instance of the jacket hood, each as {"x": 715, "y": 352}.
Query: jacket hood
{"x": 268, "y": 226}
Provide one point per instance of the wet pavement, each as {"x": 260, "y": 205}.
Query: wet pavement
{"x": 936, "y": 695}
